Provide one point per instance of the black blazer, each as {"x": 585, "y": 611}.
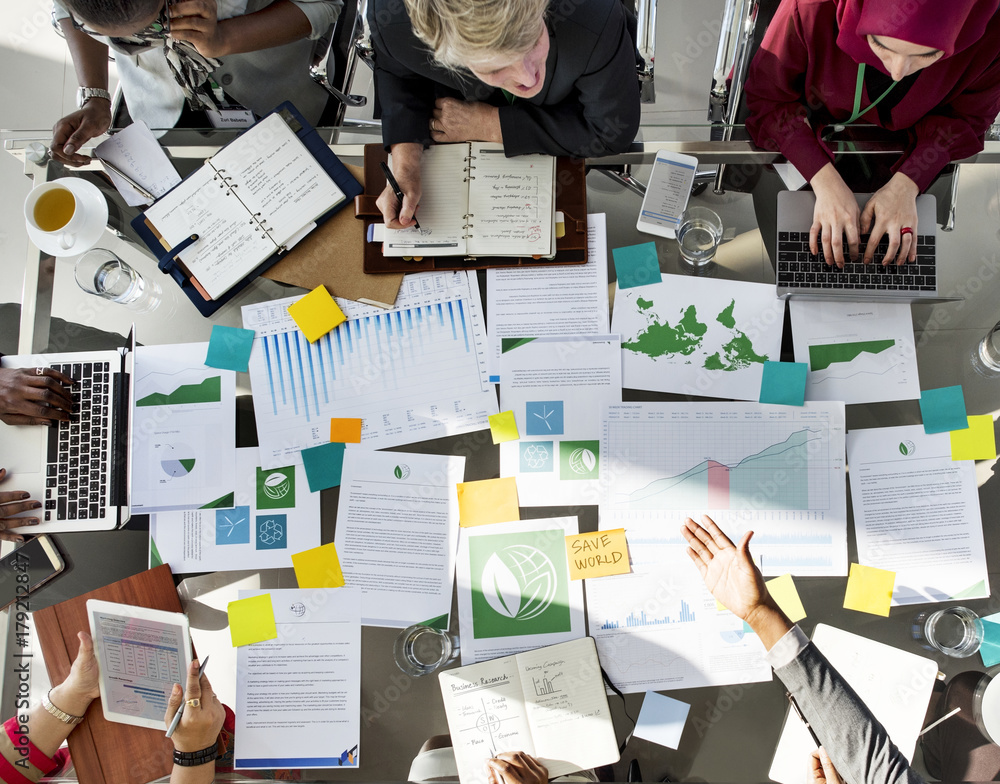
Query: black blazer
{"x": 588, "y": 105}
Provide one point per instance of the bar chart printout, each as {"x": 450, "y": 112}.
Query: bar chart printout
{"x": 412, "y": 373}
{"x": 776, "y": 470}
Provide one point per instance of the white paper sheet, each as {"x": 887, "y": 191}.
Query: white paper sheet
{"x": 556, "y": 388}
{"x": 698, "y": 336}
{"x": 778, "y": 470}
{"x": 514, "y": 591}
{"x": 183, "y": 431}
{"x": 411, "y": 373}
{"x": 659, "y": 628}
{"x": 397, "y": 531}
{"x": 274, "y": 516}
{"x": 571, "y": 299}
{"x": 858, "y": 352}
{"x": 298, "y": 701}
{"x": 916, "y": 513}
{"x": 136, "y": 152}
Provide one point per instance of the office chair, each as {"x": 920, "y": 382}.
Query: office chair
{"x": 337, "y": 58}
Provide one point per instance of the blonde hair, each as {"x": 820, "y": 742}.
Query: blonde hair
{"x": 459, "y": 31}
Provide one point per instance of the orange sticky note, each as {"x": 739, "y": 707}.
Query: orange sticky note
{"x": 318, "y": 567}
{"x": 252, "y": 620}
{"x": 345, "y": 431}
{"x": 976, "y": 442}
{"x": 597, "y": 554}
{"x": 869, "y": 590}
{"x": 783, "y": 591}
{"x": 487, "y": 501}
{"x": 316, "y": 313}
{"x": 503, "y": 427}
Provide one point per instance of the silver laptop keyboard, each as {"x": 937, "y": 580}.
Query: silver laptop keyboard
{"x": 798, "y": 268}
{"x": 76, "y": 485}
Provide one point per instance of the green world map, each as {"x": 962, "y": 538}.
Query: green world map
{"x": 688, "y": 335}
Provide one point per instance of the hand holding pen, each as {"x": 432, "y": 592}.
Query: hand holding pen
{"x": 194, "y": 714}
{"x": 397, "y": 191}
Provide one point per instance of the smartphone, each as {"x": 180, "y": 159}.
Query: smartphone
{"x": 28, "y": 567}
{"x": 667, "y": 193}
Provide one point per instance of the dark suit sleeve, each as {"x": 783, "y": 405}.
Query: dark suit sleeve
{"x": 601, "y": 114}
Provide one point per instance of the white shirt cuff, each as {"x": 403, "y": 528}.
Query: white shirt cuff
{"x": 787, "y": 648}
{"x": 320, "y": 13}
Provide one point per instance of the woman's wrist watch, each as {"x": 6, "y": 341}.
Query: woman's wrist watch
{"x": 84, "y": 94}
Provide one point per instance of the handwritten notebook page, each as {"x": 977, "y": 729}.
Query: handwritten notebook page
{"x": 275, "y": 175}
{"x": 227, "y": 237}
{"x": 136, "y": 152}
{"x": 511, "y": 201}
{"x": 443, "y": 205}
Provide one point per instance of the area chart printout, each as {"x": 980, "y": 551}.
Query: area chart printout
{"x": 658, "y": 628}
{"x": 858, "y": 352}
{"x": 778, "y": 470}
{"x": 412, "y": 373}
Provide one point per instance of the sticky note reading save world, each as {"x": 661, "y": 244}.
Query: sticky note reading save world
{"x": 597, "y": 554}
{"x": 229, "y": 348}
{"x": 487, "y": 501}
{"x": 503, "y": 427}
{"x": 869, "y": 590}
{"x": 345, "y": 431}
{"x": 252, "y": 620}
{"x": 943, "y": 409}
{"x": 782, "y": 590}
{"x": 784, "y": 383}
{"x": 318, "y": 567}
{"x": 976, "y": 442}
{"x": 316, "y": 313}
{"x": 324, "y": 465}
{"x": 636, "y": 265}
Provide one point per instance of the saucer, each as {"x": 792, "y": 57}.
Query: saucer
{"x": 94, "y": 203}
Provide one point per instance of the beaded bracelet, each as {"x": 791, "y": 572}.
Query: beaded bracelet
{"x": 190, "y": 759}
{"x": 65, "y": 718}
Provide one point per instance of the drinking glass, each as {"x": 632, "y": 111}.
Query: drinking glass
{"x": 698, "y": 235}
{"x": 953, "y": 631}
{"x": 421, "y": 650}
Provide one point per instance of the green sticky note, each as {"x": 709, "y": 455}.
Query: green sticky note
{"x": 943, "y": 409}
{"x": 976, "y": 442}
{"x": 637, "y": 265}
{"x": 323, "y": 464}
{"x": 869, "y": 590}
{"x": 784, "y": 383}
{"x": 229, "y": 348}
{"x": 252, "y": 620}
{"x": 318, "y": 567}
{"x": 503, "y": 427}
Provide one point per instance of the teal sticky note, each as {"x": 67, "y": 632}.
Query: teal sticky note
{"x": 943, "y": 410}
{"x": 637, "y": 265}
{"x": 323, "y": 464}
{"x": 990, "y": 649}
{"x": 229, "y": 348}
{"x": 784, "y": 383}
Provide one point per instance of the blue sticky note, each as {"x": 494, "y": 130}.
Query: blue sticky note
{"x": 637, "y": 265}
{"x": 323, "y": 464}
{"x": 784, "y": 383}
{"x": 229, "y": 348}
{"x": 661, "y": 719}
{"x": 943, "y": 409}
{"x": 990, "y": 649}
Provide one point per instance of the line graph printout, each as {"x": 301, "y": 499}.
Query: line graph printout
{"x": 858, "y": 352}
{"x": 412, "y": 373}
{"x": 659, "y": 628}
{"x": 776, "y": 470}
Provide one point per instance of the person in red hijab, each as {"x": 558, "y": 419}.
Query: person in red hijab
{"x": 925, "y": 68}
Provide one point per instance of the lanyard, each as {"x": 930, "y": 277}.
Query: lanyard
{"x": 510, "y": 98}
{"x": 858, "y": 111}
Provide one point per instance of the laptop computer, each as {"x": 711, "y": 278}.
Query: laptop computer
{"x": 800, "y": 274}
{"x": 77, "y": 469}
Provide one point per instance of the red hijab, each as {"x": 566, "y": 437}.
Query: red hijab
{"x": 951, "y": 26}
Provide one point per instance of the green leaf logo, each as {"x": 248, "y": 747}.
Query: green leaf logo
{"x": 401, "y": 471}
{"x": 902, "y": 449}
{"x": 907, "y": 448}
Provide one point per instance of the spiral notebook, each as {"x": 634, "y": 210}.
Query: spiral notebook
{"x": 257, "y": 196}
{"x": 477, "y": 202}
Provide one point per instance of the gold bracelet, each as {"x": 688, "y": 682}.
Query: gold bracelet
{"x": 63, "y": 716}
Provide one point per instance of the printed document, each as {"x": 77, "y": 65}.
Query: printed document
{"x": 916, "y": 513}
{"x": 298, "y": 702}
{"x": 397, "y": 530}
{"x": 274, "y": 515}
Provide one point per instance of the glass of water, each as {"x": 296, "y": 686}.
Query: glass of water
{"x": 698, "y": 235}
{"x": 102, "y": 273}
{"x": 421, "y": 650}
{"x": 986, "y": 355}
{"x": 953, "y": 631}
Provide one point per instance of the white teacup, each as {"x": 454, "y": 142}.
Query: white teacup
{"x": 53, "y": 209}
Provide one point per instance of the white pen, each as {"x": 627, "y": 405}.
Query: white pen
{"x": 115, "y": 170}
{"x": 180, "y": 711}
{"x": 933, "y": 724}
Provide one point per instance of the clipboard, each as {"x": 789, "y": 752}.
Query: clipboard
{"x": 571, "y": 201}
{"x": 167, "y": 260}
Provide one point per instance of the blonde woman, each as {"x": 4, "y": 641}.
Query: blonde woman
{"x": 552, "y": 77}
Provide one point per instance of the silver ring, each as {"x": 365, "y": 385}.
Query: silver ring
{"x": 39, "y": 371}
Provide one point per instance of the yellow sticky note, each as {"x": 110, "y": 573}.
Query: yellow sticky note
{"x": 487, "y": 501}
{"x": 316, "y": 313}
{"x": 318, "y": 567}
{"x": 782, "y": 590}
{"x": 597, "y": 554}
{"x": 720, "y": 606}
{"x": 345, "y": 431}
{"x": 869, "y": 590}
{"x": 977, "y": 442}
{"x": 252, "y": 620}
{"x": 503, "y": 427}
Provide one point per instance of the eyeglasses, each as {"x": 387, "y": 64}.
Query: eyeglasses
{"x": 158, "y": 28}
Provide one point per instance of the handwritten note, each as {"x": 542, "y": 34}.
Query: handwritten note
{"x": 318, "y": 567}
{"x": 136, "y": 152}
{"x": 597, "y": 554}
{"x": 487, "y": 501}
{"x": 869, "y": 590}
{"x": 252, "y": 620}
{"x": 976, "y": 442}
{"x": 316, "y": 313}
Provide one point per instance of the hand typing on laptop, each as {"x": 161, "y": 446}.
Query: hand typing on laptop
{"x": 13, "y": 502}
{"x": 34, "y": 396}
